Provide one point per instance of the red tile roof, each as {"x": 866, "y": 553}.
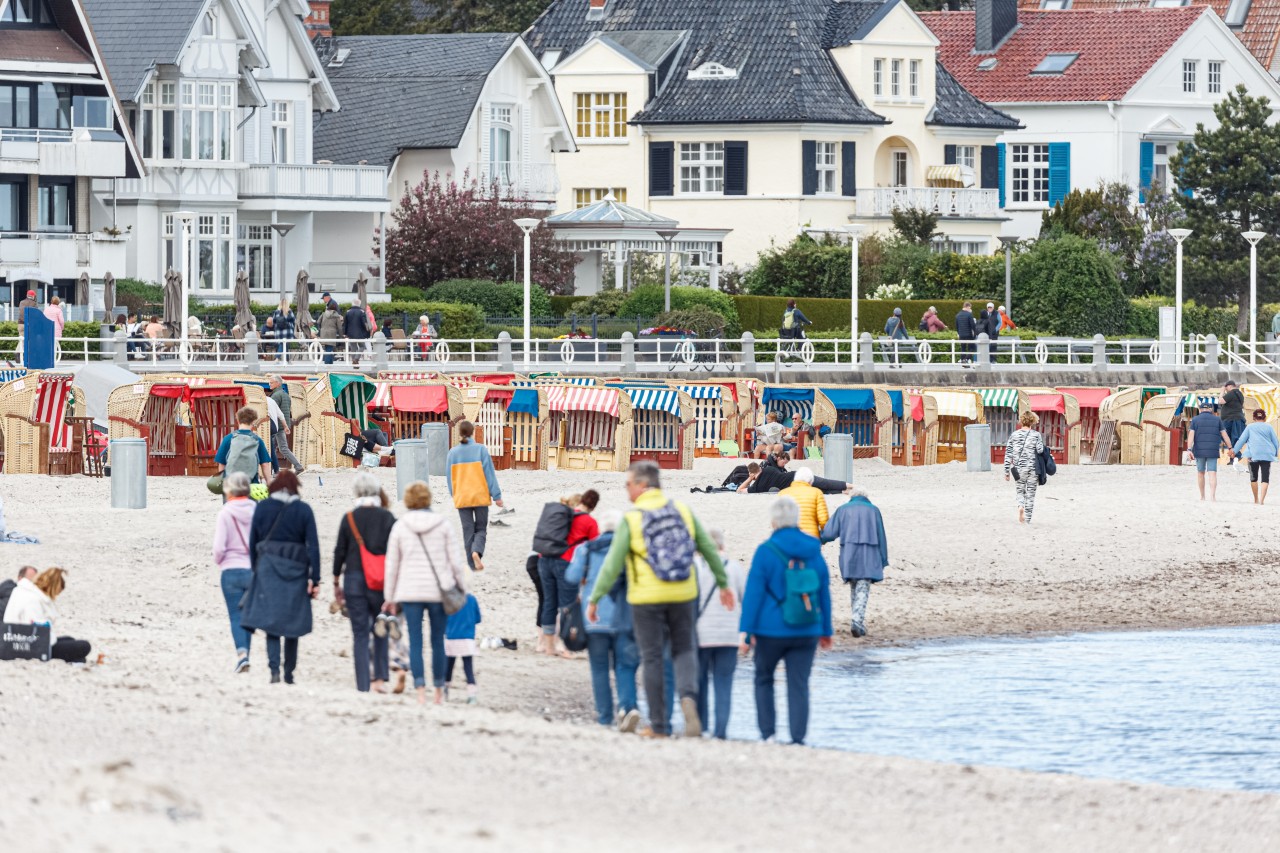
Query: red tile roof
{"x": 21, "y": 44}
{"x": 1260, "y": 33}
{"x": 1116, "y": 48}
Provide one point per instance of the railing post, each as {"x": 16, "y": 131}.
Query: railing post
{"x": 628, "y": 364}
{"x": 748, "y": 351}
{"x": 506, "y": 361}
{"x": 595, "y": 325}
{"x": 984, "y": 352}
{"x": 251, "y": 363}
{"x": 120, "y": 349}
{"x": 866, "y": 350}
{"x": 1099, "y": 354}
{"x": 1212, "y": 351}
{"x": 381, "y": 358}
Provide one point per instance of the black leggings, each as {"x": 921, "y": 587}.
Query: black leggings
{"x": 468, "y": 669}
{"x": 70, "y": 650}
{"x": 1259, "y": 471}
{"x": 531, "y": 566}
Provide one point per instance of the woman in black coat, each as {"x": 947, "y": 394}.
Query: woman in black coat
{"x": 368, "y": 524}
{"x": 284, "y": 551}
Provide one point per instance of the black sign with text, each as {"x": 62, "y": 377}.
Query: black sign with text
{"x": 25, "y": 642}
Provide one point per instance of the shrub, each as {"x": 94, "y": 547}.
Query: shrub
{"x": 1068, "y": 286}
{"x": 404, "y": 293}
{"x": 804, "y": 267}
{"x": 138, "y": 295}
{"x": 888, "y": 290}
{"x": 605, "y": 303}
{"x": 647, "y": 301}
{"x": 763, "y": 314}
{"x": 701, "y": 320}
{"x": 494, "y": 300}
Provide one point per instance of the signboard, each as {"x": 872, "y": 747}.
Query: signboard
{"x": 25, "y": 642}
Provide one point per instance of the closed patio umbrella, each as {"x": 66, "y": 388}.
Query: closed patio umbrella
{"x": 244, "y": 315}
{"x": 172, "y": 298}
{"x": 362, "y": 287}
{"x": 302, "y": 313}
{"x": 82, "y": 289}
{"x": 109, "y": 295}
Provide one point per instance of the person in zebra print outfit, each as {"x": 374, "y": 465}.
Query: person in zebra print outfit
{"x": 1020, "y": 455}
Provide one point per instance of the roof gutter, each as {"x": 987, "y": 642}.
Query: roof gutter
{"x": 1115, "y": 125}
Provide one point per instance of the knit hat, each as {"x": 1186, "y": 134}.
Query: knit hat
{"x": 897, "y": 312}
{"x": 31, "y": 293}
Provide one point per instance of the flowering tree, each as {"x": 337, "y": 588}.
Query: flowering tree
{"x": 445, "y": 229}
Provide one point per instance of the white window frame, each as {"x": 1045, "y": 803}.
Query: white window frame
{"x": 913, "y": 78}
{"x": 255, "y": 240}
{"x": 899, "y": 167}
{"x": 1029, "y": 174}
{"x": 826, "y": 159}
{"x": 967, "y": 155}
{"x": 877, "y": 77}
{"x": 1160, "y": 165}
{"x": 1190, "y": 68}
{"x": 701, "y": 168}
{"x": 502, "y": 121}
{"x": 1213, "y": 77}
{"x": 281, "y": 132}
{"x": 895, "y": 78}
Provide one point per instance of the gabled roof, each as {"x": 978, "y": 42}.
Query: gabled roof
{"x": 851, "y": 20}
{"x": 42, "y": 44}
{"x": 610, "y": 211}
{"x": 955, "y": 107}
{"x": 1116, "y": 49}
{"x": 401, "y": 92}
{"x": 1260, "y": 34}
{"x": 137, "y": 35}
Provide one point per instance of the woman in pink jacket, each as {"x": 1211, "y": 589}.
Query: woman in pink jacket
{"x": 231, "y": 553}
{"x": 54, "y": 313}
{"x": 424, "y": 556}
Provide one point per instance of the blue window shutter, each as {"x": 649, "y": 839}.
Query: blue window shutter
{"x": 848, "y": 171}
{"x": 808, "y": 167}
{"x": 1000, "y": 170}
{"x": 1146, "y": 167}
{"x": 1059, "y": 171}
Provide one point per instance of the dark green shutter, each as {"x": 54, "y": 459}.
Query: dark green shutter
{"x": 808, "y": 167}
{"x": 661, "y": 168}
{"x": 735, "y": 168}
{"x": 949, "y": 155}
{"x": 848, "y": 172}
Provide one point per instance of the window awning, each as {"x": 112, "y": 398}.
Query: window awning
{"x": 420, "y": 398}
{"x": 570, "y": 398}
{"x": 1048, "y": 403}
{"x": 999, "y": 398}
{"x": 655, "y": 399}
{"x": 956, "y": 404}
{"x": 524, "y": 401}
{"x": 850, "y": 399}
{"x": 1088, "y": 398}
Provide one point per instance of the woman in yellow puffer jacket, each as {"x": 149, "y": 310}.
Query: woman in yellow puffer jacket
{"x": 811, "y": 500}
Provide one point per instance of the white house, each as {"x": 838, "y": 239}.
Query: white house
{"x": 61, "y": 128}
{"x": 1103, "y": 95}
{"x": 220, "y": 96}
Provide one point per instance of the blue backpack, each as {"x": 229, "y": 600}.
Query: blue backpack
{"x": 668, "y": 543}
{"x": 799, "y": 603}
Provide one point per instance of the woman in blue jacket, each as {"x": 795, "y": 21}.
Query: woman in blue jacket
{"x": 786, "y": 615}
{"x": 1260, "y": 444}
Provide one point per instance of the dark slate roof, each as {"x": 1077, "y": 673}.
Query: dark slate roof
{"x": 649, "y": 46}
{"x": 400, "y": 92}
{"x": 776, "y": 46}
{"x": 135, "y": 35}
{"x": 955, "y": 107}
{"x": 851, "y": 20}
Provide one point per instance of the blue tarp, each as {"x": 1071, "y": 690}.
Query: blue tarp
{"x": 524, "y": 402}
{"x": 798, "y": 395}
{"x": 849, "y": 399}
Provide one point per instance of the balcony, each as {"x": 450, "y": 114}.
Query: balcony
{"x": 967, "y": 203}
{"x": 537, "y": 181}
{"x": 319, "y": 181}
{"x": 79, "y": 151}
{"x": 63, "y": 255}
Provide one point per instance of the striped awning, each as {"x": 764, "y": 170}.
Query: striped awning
{"x": 1204, "y": 402}
{"x": 655, "y": 399}
{"x": 403, "y": 375}
{"x": 702, "y": 392}
{"x": 10, "y": 375}
{"x": 999, "y": 398}
{"x": 569, "y": 398}
{"x": 50, "y": 407}
{"x": 956, "y": 404}
{"x": 381, "y": 397}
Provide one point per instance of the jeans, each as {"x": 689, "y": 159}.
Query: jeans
{"x": 328, "y": 354}
{"x": 556, "y": 591}
{"x": 468, "y": 669}
{"x": 618, "y": 652}
{"x": 271, "y": 449}
{"x": 290, "y": 655}
{"x": 235, "y": 583}
{"x": 798, "y": 654}
{"x": 717, "y": 662}
{"x": 413, "y": 613}
{"x": 363, "y": 605}
{"x": 475, "y": 530}
{"x": 654, "y": 623}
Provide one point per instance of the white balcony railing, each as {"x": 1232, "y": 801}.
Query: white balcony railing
{"x": 63, "y": 255}
{"x": 944, "y": 201}
{"x": 283, "y": 180}
{"x": 523, "y": 180}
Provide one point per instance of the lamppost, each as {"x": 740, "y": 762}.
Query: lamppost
{"x": 1253, "y": 237}
{"x": 1178, "y": 235}
{"x": 526, "y": 226}
{"x": 667, "y": 235}
{"x": 282, "y": 229}
{"x": 186, "y": 217}
{"x": 1008, "y": 242}
{"x": 855, "y": 231}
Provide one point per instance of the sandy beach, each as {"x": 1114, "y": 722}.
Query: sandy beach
{"x": 162, "y": 747}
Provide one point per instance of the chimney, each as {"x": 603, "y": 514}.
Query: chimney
{"x": 595, "y": 10}
{"x": 317, "y": 23}
{"x": 993, "y": 21}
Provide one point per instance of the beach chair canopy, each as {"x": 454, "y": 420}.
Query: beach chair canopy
{"x": 1049, "y": 403}
{"x": 917, "y": 407}
{"x": 1088, "y": 398}
{"x": 351, "y": 396}
{"x": 790, "y": 403}
{"x": 572, "y": 398}
{"x": 703, "y": 392}
{"x": 999, "y": 398}
{"x": 12, "y": 373}
{"x": 524, "y": 401}
{"x": 655, "y": 399}
{"x": 493, "y": 378}
{"x": 895, "y": 402}
{"x": 97, "y": 380}
{"x": 420, "y": 398}
{"x": 53, "y": 391}
{"x": 956, "y": 404}
{"x": 1203, "y": 402}
{"x": 849, "y": 399}
{"x": 499, "y": 395}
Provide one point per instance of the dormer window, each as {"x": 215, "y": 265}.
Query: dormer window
{"x": 550, "y": 58}
{"x": 713, "y": 71}
{"x": 1168, "y": 4}
{"x": 1055, "y": 63}
{"x": 595, "y": 9}
{"x": 340, "y": 57}
{"x": 1236, "y": 13}
{"x": 1060, "y": 5}
{"x": 29, "y": 12}
{"x": 208, "y": 24}
{"x": 988, "y": 64}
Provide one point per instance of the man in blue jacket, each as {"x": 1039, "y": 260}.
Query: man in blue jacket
{"x": 966, "y": 330}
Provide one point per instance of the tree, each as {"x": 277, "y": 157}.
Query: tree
{"x": 372, "y": 17}
{"x": 1230, "y": 177}
{"x": 1068, "y": 286}
{"x": 915, "y": 224}
{"x": 445, "y": 229}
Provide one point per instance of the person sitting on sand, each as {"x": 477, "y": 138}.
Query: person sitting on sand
{"x": 32, "y": 603}
{"x": 7, "y": 588}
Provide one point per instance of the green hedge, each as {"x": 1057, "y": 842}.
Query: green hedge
{"x": 561, "y": 305}
{"x": 70, "y": 351}
{"x": 648, "y": 301}
{"x": 764, "y": 313}
{"x": 495, "y": 300}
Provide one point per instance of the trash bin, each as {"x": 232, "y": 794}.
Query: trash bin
{"x": 977, "y": 447}
{"x": 411, "y": 463}
{"x": 437, "y": 438}
{"x": 837, "y": 457}
{"x": 128, "y": 473}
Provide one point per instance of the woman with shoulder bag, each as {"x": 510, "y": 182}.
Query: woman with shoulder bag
{"x": 427, "y": 577}
{"x": 361, "y": 551}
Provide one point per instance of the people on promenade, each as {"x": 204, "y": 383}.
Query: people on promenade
{"x": 356, "y": 329}
{"x": 460, "y": 643}
{"x": 992, "y": 328}
{"x": 330, "y": 328}
{"x": 285, "y": 325}
{"x": 1020, "y": 453}
{"x": 1006, "y": 322}
{"x": 895, "y": 330}
{"x": 864, "y": 552}
{"x": 32, "y": 603}
{"x": 1206, "y": 436}
{"x": 359, "y": 568}
{"x": 966, "y": 330}
{"x": 655, "y": 543}
{"x": 1259, "y": 443}
{"x": 424, "y": 333}
{"x": 424, "y": 559}
{"x": 557, "y": 592}
{"x": 1231, "y": 410}
{"x": 793, "y": 321}
{"x": 473, "y": 483}
{"x": 931, "y": 322}
{"x": 53, "y": 313}
{"x": 231, "y": 555}
{"x": 611, "y": 643}
{"x": 29, "y": 301}
{"x": 718, "y": 638}
{"x": 811, "y": 501}
{"x": 786, "y": 616}
{"x": 285, "y": 551}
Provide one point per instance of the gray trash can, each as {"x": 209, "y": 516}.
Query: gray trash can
{"x": 128, "y": 473}
{"x": 411, "y": 463}
{"x": 837, "y": 457}
{"x": 977, "y": 447}
{"x": 437, "y": 438}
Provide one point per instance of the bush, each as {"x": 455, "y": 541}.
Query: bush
{"x": 763, "y": 314}
{"x": 138, "y": 295}
{"x": 404, "y": 293}
{"x": 1144, "y": 318}
{"x": 561, "y": 305}
{"x": 1068, "y": 286}
{"x": 494, "y": 300}
{"x": 605, "y": 303}
{"x": 804, "y": 267}
{"x": 701, "y": 320}
{"x": 647, "y": 301}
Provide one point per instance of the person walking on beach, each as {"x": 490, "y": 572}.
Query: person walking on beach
{"x": 1231, "y": 410}
{"x": 359, "y": 568}
{"x": 424, "y": 558}
{"x": 966, "y": 330}
{"x": 1259, "y": 443}
{"x": 786, "y": 617}
{"x": 557, "y": 592}
{"x": 285, "y": 551}
{"x": 611, "y": 645}
{"x": 280, "y": 395}
{"x": 1206, "y": 436}
{"x": 473, "y": 483}
{"x": 655, "y": 543}
{"x": 460, "y": 642}
{"x": 244, "y": 451}
{"x": 231, "y": 555}
{"x": 717, "y": 638}
{"x": 864, "y": 552}
{"x": 1020, "y": 454}
{"x": 811, "y": 501}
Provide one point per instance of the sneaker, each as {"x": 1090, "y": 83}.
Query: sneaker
{"x": 380, "y": 626}
{"x": 692, "y": 722}
{"x": 275, "y": 678}
{"x": 857, "y": 629}
{"x": 242, "y": 665}
{"x": 629, "y": 721}
{"x": 393, "y": 628}
{"x": 650, "y": 734}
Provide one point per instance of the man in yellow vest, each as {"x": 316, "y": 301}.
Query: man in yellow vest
{"x": 655, "y": 544}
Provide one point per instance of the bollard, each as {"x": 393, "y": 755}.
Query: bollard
{"x": 748, "y": 352}
{"x": 411, "y": 463}
{"x": 984, "y": 352}
{"x": 437, "y": 439}
{"x": 977, "y": 447}
{"x": 837, "y": 457}
{"x": 506, "y": 362}
{"x": 866, "y": 350}
{"x": 128, "y": 473}
{"x": 120, "y": 348}
{"x": 381, "y": 356}
{"x": 628, "y": 354}
{"x": 251, "y": 363}
{"x": 1099, "y": 354}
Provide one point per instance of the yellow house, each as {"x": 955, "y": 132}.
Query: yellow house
{"x": 768, "y": 118}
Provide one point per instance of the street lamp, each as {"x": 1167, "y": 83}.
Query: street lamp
{"x": 1178, "y": 235}
{"x": 1253, "y": 237}
{"x": 855, "y": 231}
{"x": 667, "y": 235}
{"x": 1008, "y": 242}
{"x": 186, "y": 217}
{"x": 526, "y": 226}
{"x": 282, "y": 228}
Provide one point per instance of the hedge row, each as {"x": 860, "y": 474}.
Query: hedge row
{"x": 764, "y": 313}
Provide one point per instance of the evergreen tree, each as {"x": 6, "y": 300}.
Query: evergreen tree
{"x": 372, "y": 17}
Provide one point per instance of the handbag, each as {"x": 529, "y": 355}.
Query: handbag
{"x": 573, "y": 628}
{"x": 452, "y": 598}
{"x": 352, "y": 446}
{"x": 374, "y": 565}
